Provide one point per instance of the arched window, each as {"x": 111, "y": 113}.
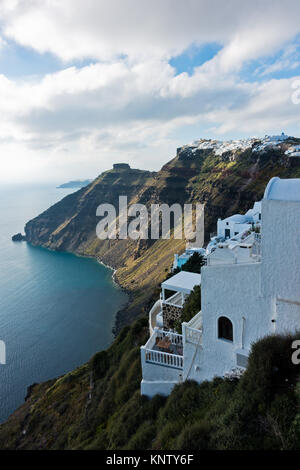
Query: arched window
{"x": 225, "y": 330}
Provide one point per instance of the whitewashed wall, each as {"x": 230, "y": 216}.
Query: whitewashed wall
{"x": 232, "y": 291}
{"x": 281, "y": 249}
{"x": 232, "y": 226}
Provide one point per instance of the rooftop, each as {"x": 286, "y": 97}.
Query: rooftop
{"x": 283, "y": 189}
{"x": 238, "y": 218}
{"x": 182, "y": 282}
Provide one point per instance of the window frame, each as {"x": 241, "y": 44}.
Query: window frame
{"x": 223, "y": 338}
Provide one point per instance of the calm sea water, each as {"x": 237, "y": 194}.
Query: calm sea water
{"x": 56, "y": 309}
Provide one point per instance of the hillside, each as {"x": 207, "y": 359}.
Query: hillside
{"x": 226, "y": 180}
{"x": 98, "y": 405}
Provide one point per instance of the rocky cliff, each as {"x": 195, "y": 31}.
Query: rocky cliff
{"x": 98, "y": 406}
{"x": 226, "y": 181}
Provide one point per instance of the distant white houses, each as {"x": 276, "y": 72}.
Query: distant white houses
{"x": 249, "y": 289}
{"x": 226, "y": 229}
{"x": 271, "y": 141}
{"x": 220, "y": 147}
{"x": 238, "y": 223}
{"x": 293, "y": 151}
{"x": 276, "y": 138}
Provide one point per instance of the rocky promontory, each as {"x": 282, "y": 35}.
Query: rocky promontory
{"x": 18, "y": 237}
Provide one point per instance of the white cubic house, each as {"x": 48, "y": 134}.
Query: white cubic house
{"x": 238, "y": 223}
{"x": 250, "y": 288}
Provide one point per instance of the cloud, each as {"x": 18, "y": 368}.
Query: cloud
{"x": 125, "y": 101}
{"x": 269, "y": 108}
{"x": 76, "y": 29}
{"x": 98, "y": 96}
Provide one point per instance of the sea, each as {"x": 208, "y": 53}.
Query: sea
{"x": 56, "y": 309}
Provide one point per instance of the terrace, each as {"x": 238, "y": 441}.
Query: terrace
{"x": 164, "y": 349}
{"x": 174, "y": 293}
{"x": 182, "y": 284}
{"x": 243, "y": 248}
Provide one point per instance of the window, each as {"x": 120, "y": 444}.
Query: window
{"x": 225, "y": 330}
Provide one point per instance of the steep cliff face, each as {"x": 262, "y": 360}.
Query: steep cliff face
{"x": 98, "y": 406}
{"x": 226, "y": 183}
{"x": 70, "y": 225}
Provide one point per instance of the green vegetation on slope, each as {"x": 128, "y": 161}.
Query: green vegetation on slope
{"x": 224, "y": 184}
{"x": 98, "y": 406}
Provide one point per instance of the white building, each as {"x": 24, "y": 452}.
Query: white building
{"x": 238, "y": 223}
{"x": 277, "y": 138}
{"x": 245, "y": 296}
{"x": 293, "y": 151}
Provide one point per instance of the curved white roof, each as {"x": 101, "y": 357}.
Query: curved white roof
{"x": 239, "y": 218}
{"x": 183, "y": 281}
{"x": 283, "y": 189}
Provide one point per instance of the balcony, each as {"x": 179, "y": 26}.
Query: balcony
{"x": 181, "y": 284}
{"x": 164, "y": 359}
{"x": 237, "y": 250}
{"x": 163, "y": 348}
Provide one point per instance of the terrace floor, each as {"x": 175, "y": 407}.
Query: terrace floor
{"x": 172, "y": 349}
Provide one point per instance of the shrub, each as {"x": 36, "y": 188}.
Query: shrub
{"x": 270, "y": 369}
{"x": 194, "y": 437}
{"x": 142, "y": 439}
{"x": 100, "y": 364}
{"x": 194, "y": 263}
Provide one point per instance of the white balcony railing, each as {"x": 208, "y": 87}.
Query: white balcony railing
{"x": 155, "y": 310}
{"x": 164, "y": 359}
{"x": 193, "y": 336}
{"x": 175, "y": 338}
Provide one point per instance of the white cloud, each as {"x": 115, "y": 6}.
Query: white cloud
{"x": 270, "y": 108}
{"x": 74, "y": 29}
{"x": 130, "y": 105}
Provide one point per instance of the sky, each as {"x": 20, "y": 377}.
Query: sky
{"x": 87, "y": 83}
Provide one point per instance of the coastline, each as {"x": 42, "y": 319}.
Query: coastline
{"x": 117, "y": 323}
{"x": 118, "y": 316}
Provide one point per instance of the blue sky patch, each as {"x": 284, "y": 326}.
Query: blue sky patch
{"x": 193, "y": 57}
{"x": 17, "y": 62}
